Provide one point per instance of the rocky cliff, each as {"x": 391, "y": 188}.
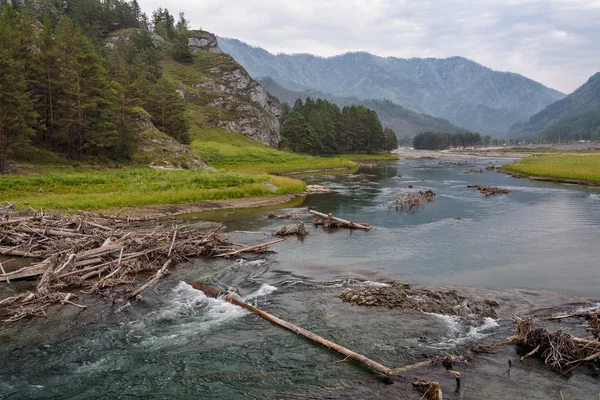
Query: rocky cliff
{"x": 222, "y": 93}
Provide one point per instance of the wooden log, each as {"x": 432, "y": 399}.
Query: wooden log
{"x": 51, "y": 232}
{"x": 10, "y": 251}
{"x": 435, "y": 391}
{"x": 247, "y": 249}
{"x": 99, "y": 251}
{"x": 296, "y": 329}
{"x": 90, "y": 261}
{"x": 26, "y": 272}
{"x": 152, "y": 281}
{"x": 350, "y": 224}
{"x": 16, "y": 221}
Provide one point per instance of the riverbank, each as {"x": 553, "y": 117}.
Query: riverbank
{"x": 571, "y": 168}
{"x": 70, "y": 188}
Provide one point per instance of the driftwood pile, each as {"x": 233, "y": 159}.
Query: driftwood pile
{"x": 89, "y": 255}
{"x": 489, "y": 190}
{"x": 298, "y": 230}
{"x": 413, "y": 202}
{"x": 560, "y": 350}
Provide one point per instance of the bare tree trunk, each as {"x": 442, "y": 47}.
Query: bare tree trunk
{"x": 300, "y": 331}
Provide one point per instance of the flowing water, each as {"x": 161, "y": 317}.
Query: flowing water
{"x": 530, "y": 250}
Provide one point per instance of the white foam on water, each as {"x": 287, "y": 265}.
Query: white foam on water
{"x": 460, "y": 332}
{"x": 591, "y": 307}
{"x": 251, "y": 263}
{"x": 264, "y": 290}
{"x": 187, "y": 313}
{"x": 374, "y": 284}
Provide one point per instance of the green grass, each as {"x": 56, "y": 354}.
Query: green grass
{"x": 235, "y": 152}
{"x": 85, "y": 189}
{"x": 583, "y": 166}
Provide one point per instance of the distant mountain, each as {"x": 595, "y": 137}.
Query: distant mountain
{"x": 573, "y": 116}
{"x": 462, "y": 91}
{"x": 404, "y": 122}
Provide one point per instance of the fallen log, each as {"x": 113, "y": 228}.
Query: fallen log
{"x": 7, "y": 251}
{"x": 339, "y": 221}
{"x": 152, "y": 281}
{"x": 249, "y": 249}
{"x": 296, "y": 329}
{"x": 26, "y": 272}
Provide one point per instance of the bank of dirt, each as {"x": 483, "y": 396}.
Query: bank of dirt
{"x": 169, "y": 210}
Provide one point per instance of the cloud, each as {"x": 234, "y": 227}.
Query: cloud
{"x": 552, "y": 41}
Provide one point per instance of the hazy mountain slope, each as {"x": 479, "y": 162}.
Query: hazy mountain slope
{"x": 466, "y": 93}
{"x": 584, "y": 126}
{"x": 404, "y": 122}
{"x": 586, "y": 98}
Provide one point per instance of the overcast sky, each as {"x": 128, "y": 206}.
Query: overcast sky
{"x": 556, "y": 42}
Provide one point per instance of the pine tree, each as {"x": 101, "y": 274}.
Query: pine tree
{"x": 167, "y": 109}
{"x": 16, "y": 107}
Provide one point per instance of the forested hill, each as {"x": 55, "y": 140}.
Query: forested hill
{"x": 577, "y": 116}
{"x": 404, "y": 122}
{"x": 101, "y": 80}
{"x": 457, "y": 89}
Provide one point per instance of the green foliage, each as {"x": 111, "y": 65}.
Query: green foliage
{"x": 17, "y": 114}
{"x": 320, "y": 127}
{"x": 583, "y": 166}
{"x": 585, "y": 126}
{"x": 441, "y": 141}
{"x": 168, "y": 111}
{"x": 577, "y": 109}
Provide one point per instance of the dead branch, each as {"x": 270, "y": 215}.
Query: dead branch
{"x": 298, "y": 230}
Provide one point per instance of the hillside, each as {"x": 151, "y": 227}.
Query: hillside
{"x": 457, "y": 89}
{"x": 404, "y": 122}
{"x": 574, "y": 117}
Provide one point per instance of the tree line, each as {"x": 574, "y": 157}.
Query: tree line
{"x": 320, "y": 127}
{"x": 64, "y": 91}
{"x": 442, "y": 141}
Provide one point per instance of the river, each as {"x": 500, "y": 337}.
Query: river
{"x": 534, "y": 248}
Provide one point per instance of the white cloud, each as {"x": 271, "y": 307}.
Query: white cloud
{"x": 552, "y": 41}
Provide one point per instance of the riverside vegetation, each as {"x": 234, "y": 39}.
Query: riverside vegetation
{"x": 575, "y": 166}
{"x": 135, "y": 90}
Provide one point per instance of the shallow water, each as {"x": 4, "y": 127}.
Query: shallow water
{"x": 531, "y": 249}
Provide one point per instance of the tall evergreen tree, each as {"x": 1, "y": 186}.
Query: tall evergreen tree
{"x": 17, "y": 113}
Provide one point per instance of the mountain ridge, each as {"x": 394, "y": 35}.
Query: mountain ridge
{"x": 583, "y": 100}
{"x": 464, "y": 92}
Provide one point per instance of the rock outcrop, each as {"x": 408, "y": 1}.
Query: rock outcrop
{"x": 225, "y": 94}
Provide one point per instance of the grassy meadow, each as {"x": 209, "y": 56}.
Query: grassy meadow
{"x": 582, "y": 166}
{"x": 69, "y": 188}
{"x": 243, "y": 167}
{"x": 235, "y": 152}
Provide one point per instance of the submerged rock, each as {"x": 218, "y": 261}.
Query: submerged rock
{"x": 448, "y": 302}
